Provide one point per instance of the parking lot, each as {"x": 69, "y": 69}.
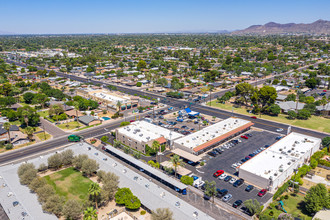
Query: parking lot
{"x": 233, "y": 155}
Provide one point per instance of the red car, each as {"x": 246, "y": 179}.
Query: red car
{"x": 132, "y": 121}
{"x": 262, "y": 192}
{"x": 254, "y": 117}
{"x": 324, "y": 90}
{"x": 218, "y": 173}
{"x": 244, "y": 136}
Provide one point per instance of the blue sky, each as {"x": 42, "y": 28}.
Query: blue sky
{"x": 141, "y": 16}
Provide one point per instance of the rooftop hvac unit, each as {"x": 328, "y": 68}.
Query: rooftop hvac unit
{"x": 280, "y": 157}
{"x": 280, "y": 149}
{"x": 134, "y": 132}
{"x": 275, "y": 174}
{"x": 148, "y": 138}
{"x": 281, "y": 169}
{"x": 140, "y": 135}
{"x": 289, "y": 163}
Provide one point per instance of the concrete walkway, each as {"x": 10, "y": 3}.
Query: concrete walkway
{"x": 51, "y": 129}
{"x": 318, "y": 179}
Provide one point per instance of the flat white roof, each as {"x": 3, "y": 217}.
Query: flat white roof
{"x": 211, "y": 132}
{"x": 145, "y": 131}
{"x": 111, "y": 98}
{"x": 280, "y": 156}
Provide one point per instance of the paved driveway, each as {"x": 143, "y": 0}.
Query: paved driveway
{"x": 51, "y": 129}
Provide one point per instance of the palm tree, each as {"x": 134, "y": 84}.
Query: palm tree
{"x": 94, "y": 191}
{"x": 156, "y": 147}
{"x": 90, "y": 214}
{"x": 29, "y": 131}
{"x": 118, "y": 105}
{"x": 176, "y": 161}
{"x": 76, "y": 107}
{"x": 323, "y": 102}
{"x": 7, "y": 127}
{"x": 162, "y": 214}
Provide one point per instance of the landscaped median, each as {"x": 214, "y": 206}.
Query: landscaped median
{"x": 315, "y": 122}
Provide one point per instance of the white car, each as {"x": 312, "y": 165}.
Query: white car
{"x": 232, "y": 180}
{"x": 222, "y": 176}
{"x": 199, "y": 184}
{"x": 234, "y": 165}
{"x": 279, "y": 129}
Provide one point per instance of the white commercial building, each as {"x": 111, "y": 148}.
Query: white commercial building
{"x": 273, "y": 166}
{"x": 208, "y": 137}
{"x": 141, "y": 133}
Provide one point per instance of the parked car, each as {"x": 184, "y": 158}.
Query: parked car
{"x": 278, "y": 138}
{"x": 227, "y": 197}
{"x": 237, "y": 203}
{"x": 262, "y": 192}
{"x": 222, "y": 176}
{"x": 232, "y": 180}
{"x": 227, "y": 178}
{"x": 244, "y": 136}
{"x": 218, "y": 173}
{"x": 249, "y": 135}
{"x": 249, "y": 188}
{"x": 279, "y": 129}
{"x": 212, "y": 154}
{"x": 251, "y": 155}
{"x": 238, "y": 182}
{"x": 266, "y": 146}
{"x": 222, "y": 193}
{"x": 244, "y": 160}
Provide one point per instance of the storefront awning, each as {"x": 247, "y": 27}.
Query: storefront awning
{"x": 187, "y": 155}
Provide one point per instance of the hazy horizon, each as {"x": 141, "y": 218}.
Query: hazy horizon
{"x": 145, "y": 16}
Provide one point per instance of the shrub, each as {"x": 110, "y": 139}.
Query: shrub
{"x": 143, "y": 212}
{"x": 202, "y": 163}
{"x": 281, "y": 190}
{"x": 286, "y": 196}
{"x": 187, "y": 180}
{"x": 271, "y": 213}
{"x": 9, "y": 146}
{"x": 292, "y": 115}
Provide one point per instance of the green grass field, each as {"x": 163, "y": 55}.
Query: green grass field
{"x": 294, "y": 205}
{"x": 315, "y": 122}
{"x": 44, "y": 114}
{"x": 70, "y": 183}
{"x": 72, "y": 125}
{"x": 41, "y": 136}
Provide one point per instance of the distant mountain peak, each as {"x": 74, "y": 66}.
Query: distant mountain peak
{"x": 318, "y": 27}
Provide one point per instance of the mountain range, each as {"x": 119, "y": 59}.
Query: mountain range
{"x": 317, "y": 27}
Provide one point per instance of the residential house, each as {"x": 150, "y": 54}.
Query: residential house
{"x": 16, "y": 136}
{"x": 89, "y": 120}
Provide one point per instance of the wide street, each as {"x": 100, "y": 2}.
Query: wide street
{"x": 94, "y": 131}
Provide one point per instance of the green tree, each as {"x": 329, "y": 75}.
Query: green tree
{"x": 267, "y": 95}
{"x": 326, "y": 142}
{"x": 54, "y": 204}
{"x": 79, "y": 160}
{"x": 291, "y": 97}
{"x": 132, "y": 202}
{"x": 7, "y": 127}
{"x": 89, "y": 167}
{"x": 67, "y": 157}
{"x": 210, "y": 189}
{"x": 41, "y": 99}
{"x": 37, "y": 183}
{"x": 122, "y": 194}
{"x": 162, "y": 214}
{"x": 188, "y": 180}
{"x": 52, "y": 73}
{"x": 275, "y": 82}
{"x": 28, "y": 97}
{"x": 303, "y": 114}
{"x": 317, "y": 198}
{"x": 311, "y": 83}
{"x": 139, "y": 84}
{"x": 253, "y": 206}
{"x": 176, "y": 162}
{"x": 94, "y": 192}
{"x": 55, "y": 161}
{"x": 244, "y": 90}
{"x": 72, "y": 210}
{"x": 124, "y": 123}
{"x": 275, "y": 109}
{"x": 29, "y": 131}
{"x": 45, "y": 192}
{"x": 90, "y": 214}
{"x": 292, "y": 114}
{"x": 104, "y": 138}
{"x": 141, "y": 65}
